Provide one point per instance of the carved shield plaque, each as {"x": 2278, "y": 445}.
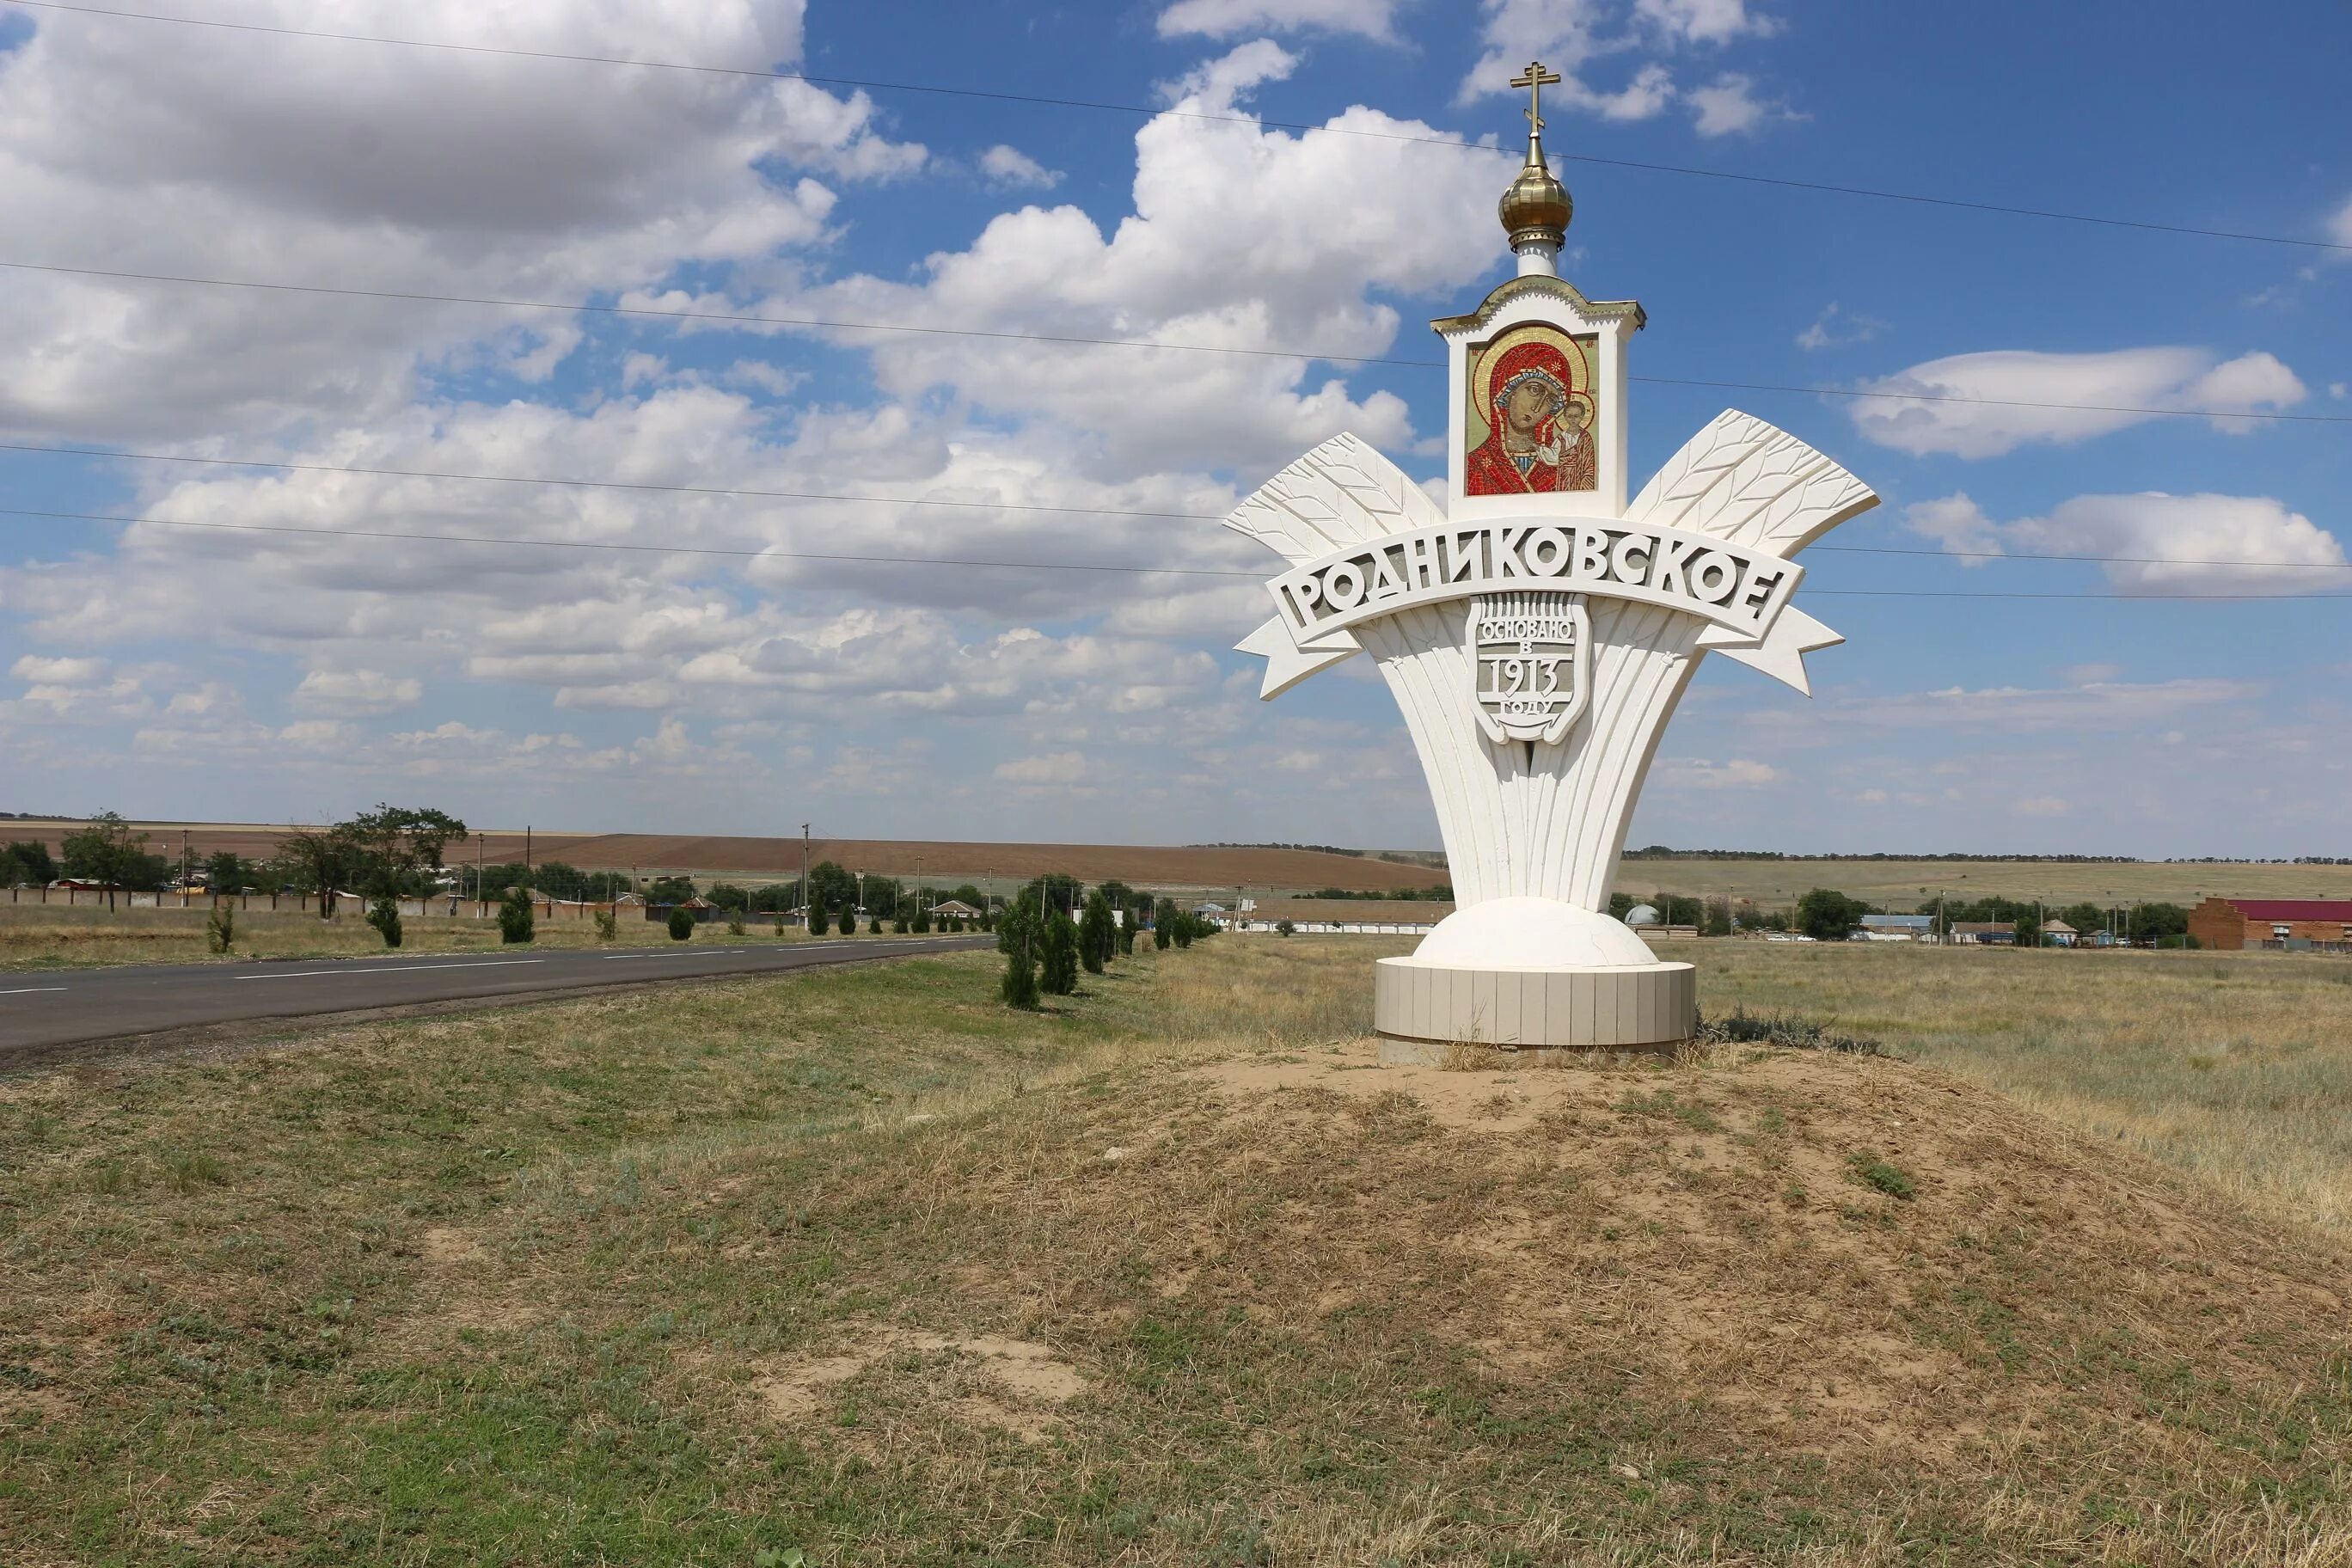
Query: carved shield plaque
{"x": 1531, "y": 663}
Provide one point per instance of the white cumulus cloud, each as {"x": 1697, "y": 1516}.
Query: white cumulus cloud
{"x": 349, "y": 693}
{"x": 1010, "y": 168}
{"x": 137, "y": 149}
{"x": 2002, "y": 399}
{"x": 1373, "y": 19}
{"x": 1728, "y": 106}
{"x": 2155, "y": 542}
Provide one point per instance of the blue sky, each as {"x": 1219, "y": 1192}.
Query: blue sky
{"x": 188, "y": 674}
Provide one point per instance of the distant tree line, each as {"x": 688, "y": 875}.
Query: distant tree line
{"x": 1315, "y": 849}
{"x": 1443, "y": 892}
{"x": 1666, "y": 852}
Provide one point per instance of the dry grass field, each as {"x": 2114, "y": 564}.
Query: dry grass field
{"x": 859, "y": 1268}
{"x": 1905, "y": 884}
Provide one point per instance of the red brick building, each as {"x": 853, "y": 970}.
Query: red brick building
{"x": 2232, "y": 924}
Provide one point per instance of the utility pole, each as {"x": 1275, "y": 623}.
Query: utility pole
{"x": 805, "y": 916}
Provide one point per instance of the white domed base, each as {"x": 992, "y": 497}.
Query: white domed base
{"x": 1532, "y": 974}
{"x": 1531, "y": 934}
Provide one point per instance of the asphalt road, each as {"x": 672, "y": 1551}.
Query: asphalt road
{"x": 43, "y": 1013}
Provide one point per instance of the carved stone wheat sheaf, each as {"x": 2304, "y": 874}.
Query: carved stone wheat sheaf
{"x": 1377, "y": 566}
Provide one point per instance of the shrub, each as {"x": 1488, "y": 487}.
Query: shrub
{"x": 1099, "y": 934}
{"x": 922, "y": 921}
{"x": 220, "y": 931}
{"x": 1061, "y": 955}
{"x": 873, "y": 925}
{"x": 1127, "y": 936}
{"x": 735, "y": 923}
{"x": 1784, "y": 1029}
{"x": 608, "y": 925}
{"x": 818, "y": 923}
{"x": 385, "y": 915}
{"x": 1020, "y": 987}
{"x": 898, "y": 926}
{"x": 681, "y": 923}
{"x": 1283, "y": 928}
{"x": 517, "y": 921}
{"x": 779, "y": 923}
{"x": 1187, "y": 928}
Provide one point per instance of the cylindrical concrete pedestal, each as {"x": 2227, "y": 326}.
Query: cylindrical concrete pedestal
{"x": 1620, "y": 1008}
{"x": 1525, "y": 974}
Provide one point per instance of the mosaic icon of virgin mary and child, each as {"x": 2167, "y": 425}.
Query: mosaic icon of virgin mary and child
{"x": 1531, "y": 391}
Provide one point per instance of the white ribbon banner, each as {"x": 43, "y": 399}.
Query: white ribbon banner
{"x": 1742, "y": 592}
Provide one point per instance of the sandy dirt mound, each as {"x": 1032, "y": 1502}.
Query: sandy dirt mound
{"x": 1839, "y": 1253}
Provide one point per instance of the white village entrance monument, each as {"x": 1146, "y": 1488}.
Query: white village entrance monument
{"x": 1538, "y": 630}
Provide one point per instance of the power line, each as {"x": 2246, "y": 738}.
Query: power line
{"x": 1074, "y": 339}
{"x": 1987, "y": 593}
{"x": 1148, "y": 111}
{"x": 1049, "y": 565}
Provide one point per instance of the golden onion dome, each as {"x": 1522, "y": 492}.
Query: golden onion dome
{"x": 1537, "y": 206}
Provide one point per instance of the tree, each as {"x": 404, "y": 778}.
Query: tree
{"x": 107, "y": 852}
{"x": 2028, "y": 928}
{"x": 1718, "y": 918}
{"x": 817, "y": 921}
{"x": 2154, "y": 922}
{"x": 2085, "y": 917}
{"x": 681, "y": 922}
{"x": 26, "y": 862}
{"x": 1126, "y": 934}
{"x": 1098, "y": 935}
{"x": 391, "y": 846}
{"x": 1060, "y": 954}
{"x": 1827, "y": 915}
{"x": 669, "y": 890}
{"x": 1188, "y": 926}
{"x": 224, "y": 873}
{"x": 1164, "y": 923}
{"x": 517, "y": 921}
{"x": 922, "y": 921}
{"x": 321, "y": 861}
{"x": 1283, "y": 928}
{"x": 1621, "y": 905}
{"x": 873, "y": 925}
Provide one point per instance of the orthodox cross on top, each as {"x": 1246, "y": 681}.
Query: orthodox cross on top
{"x": 1535, "y": 78}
